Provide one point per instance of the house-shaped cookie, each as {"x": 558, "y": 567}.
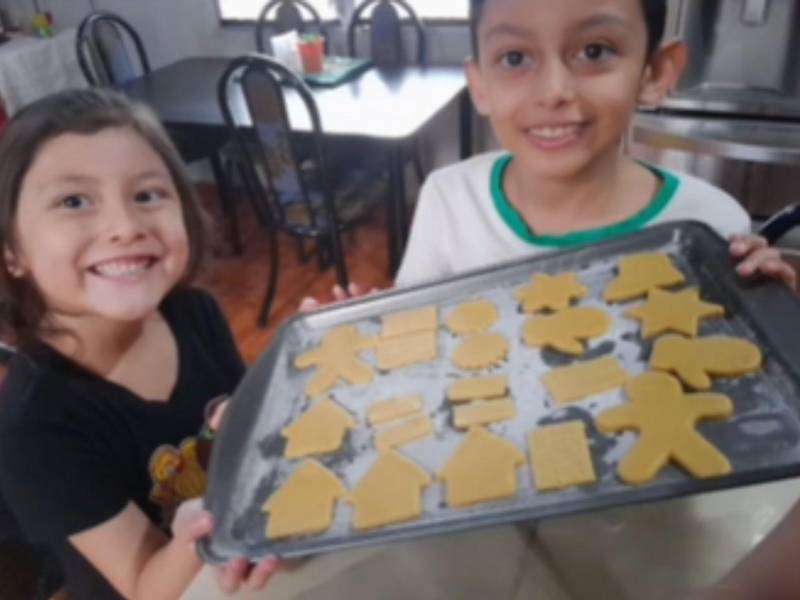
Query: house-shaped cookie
{"x": 483, "y": 468}
{"x": 320, "y": 430}
{"x": 390, "y": 492}
{"x": 304, "y": 504}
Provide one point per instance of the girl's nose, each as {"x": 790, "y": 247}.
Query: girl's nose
{"x": 123, "y": 223}
{"x": 555, "y": 86}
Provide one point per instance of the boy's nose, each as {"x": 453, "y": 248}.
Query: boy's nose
{"x": 554, "y": 87}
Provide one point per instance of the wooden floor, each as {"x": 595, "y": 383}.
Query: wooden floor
{"x": 239, "y": 282}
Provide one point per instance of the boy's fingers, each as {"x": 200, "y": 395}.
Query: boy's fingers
{"x": 338, "y": 293}
{"x": 745, "y": 244}
{"x": 308, "y": 304}
{"x": 355, "y": 290}
{"x": 262, "y": 573}
{"x": 230, "y": 577}
{"x": 756, "y": 259}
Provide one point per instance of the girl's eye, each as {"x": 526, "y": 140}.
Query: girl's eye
{"x": 149, "y": 196}
{"x": 514, "y": 59}
{"x": 74, "y": 202}
{"x": 596, "y": 53}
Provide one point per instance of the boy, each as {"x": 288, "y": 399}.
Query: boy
{"x": 560, "y": 84}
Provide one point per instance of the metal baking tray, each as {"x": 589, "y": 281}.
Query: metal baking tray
{"x": 762, "y": 439}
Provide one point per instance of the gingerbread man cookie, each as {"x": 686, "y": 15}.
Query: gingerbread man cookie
{"x": 337, "y": 358}
{"x": 641, "y": 273}
{"x": 679, "y": 312}
{"x": 665, "y": 418}
{"x": 548, "y": 292}
{"x": 696, "y": 360}
{"x": 567, "y": 330}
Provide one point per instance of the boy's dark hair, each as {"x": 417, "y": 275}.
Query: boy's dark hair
{"x": 83, "y": 111}
{"x": 655, "y": 16}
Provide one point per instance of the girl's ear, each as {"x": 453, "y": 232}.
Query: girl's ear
{"x": 477, "y": 88}
{"x": 662, "y": 73}
{"x": 12, "y": 264}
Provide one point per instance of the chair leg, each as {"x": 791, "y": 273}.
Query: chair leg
{"x": 227, "y": 202}
{"x": 272, "y": 278}
{"x": 302, "y": 257}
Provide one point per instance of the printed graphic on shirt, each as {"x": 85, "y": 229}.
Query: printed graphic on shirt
{"x": 176, "y": 475}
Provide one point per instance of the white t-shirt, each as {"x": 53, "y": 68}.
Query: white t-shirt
{"x": 464, "y": 220}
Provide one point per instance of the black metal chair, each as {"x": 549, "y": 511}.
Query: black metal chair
{"x": 111, "y": 53}
{"x": 280, "y": 16}
{"x": 294, "y": 190}
{"x": 386, "y": 21}
{"x": 780, "y": 223}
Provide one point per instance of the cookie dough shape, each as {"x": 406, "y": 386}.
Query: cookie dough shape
{"x": 390, "y": 492}
{"x": 576, "y": 382}
{"x": 695, "y": 361}
{"x": 665, "y": 418}
{"x": 548, "y": 292}
{"x": 480, "y": 351}
{"x": 482, "y": 469}
{"x": 304, "y": 504}
{"x": 337, "y": 358}
{"x": 409, "y": 430}
{"x": 641, "y": 273}
{"x": 390, "y": 410}
{"x": 560, "y": 456}
{"x": 678, "y": 312}
{"x": 567, "y": 330}
{"x": 320, "y": 430}
{"x": 472, "y": 317}
{"x": 401, "y": 351}
{"x": 412, "y": 321}
{"x": 463, "y": 390}
{"x": 484, "y": 412}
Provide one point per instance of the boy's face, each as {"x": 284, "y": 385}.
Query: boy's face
{"x": 559, "y": 81}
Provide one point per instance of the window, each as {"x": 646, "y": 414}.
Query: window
{"x": 247, "y": 10}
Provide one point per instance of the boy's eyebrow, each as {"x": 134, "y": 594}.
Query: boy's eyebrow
{"x": 507, "y": 29}
{"x": 603, "y": 20}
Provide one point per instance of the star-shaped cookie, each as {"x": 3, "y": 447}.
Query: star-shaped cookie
{"x": 549, "y": 292}
{"x": 678, "y": 312}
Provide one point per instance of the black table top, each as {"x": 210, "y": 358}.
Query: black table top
{"x": 380, "y": 103}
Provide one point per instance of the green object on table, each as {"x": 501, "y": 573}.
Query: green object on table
{"x": 337, "y": 69}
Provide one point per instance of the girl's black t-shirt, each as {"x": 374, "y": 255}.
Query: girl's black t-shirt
{"x": 76, "y": 448}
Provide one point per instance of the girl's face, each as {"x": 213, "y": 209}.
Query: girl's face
{"x": 99, "y": 227}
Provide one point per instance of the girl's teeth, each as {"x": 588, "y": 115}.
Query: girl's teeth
{"x": 121, "y": 268}
{"x": 553, "y": 133}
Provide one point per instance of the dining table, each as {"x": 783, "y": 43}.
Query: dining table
{"x": 390, "y": 105}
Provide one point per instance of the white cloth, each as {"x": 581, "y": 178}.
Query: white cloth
{"x": 31, "y": 68}
{"x": 458, "y": 226}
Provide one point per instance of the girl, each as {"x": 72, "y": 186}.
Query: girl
{"x": 101, "y": 408}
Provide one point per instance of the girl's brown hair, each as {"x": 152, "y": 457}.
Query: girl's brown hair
{"x": 84, "y": 111}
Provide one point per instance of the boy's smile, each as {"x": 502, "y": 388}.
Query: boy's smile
{"x": 559, "y": 83}
{"x": 99, "y": 227}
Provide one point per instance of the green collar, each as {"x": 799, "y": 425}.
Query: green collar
{"x": 514, "y": 220}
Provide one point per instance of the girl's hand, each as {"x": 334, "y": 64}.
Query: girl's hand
{"x": 192, "y": 523}
{"x": 339, "y": 295}
{"x": 756, "y": 257}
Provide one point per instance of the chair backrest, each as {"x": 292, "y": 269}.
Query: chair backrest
{"x": 386, "y": 23}
{"x": 280, "y": 16}
{"x": 251, "y": 96}
{"x": 110, "y": 51}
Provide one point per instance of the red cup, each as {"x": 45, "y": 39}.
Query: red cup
{"x": 312, "y": 55}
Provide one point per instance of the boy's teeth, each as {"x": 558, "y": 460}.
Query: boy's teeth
{"x": 121, "y": 268}
{"x": 553, "y": 132}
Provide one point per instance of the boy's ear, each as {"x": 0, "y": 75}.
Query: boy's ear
{"x": 12, "y": 264}
{"x": 477, "y": 89}
{"x": 662, "y": 73}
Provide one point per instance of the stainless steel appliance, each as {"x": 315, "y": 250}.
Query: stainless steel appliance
{"x": 735, "y": 116}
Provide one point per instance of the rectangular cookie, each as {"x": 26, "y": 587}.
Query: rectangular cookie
{"x": 412, "y": 429}
{"x": 576, "y": 382}
{"x": 400, "y": 351}
{"x": 390, "y": 410}
{"x": 483, "y": 412}
{"x": 410, "y": 321}
{"x": 477, "y": 388}
{"x": 560, "y": 456}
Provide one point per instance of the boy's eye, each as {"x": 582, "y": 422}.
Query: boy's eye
{"x": 74, "y": 202}
{"x": 513, "y": 59}
{"x": 595, "y": 53}
{"x": 149, "y": 196}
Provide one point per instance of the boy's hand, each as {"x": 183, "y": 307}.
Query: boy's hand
{"x": 339, "y": 295}
{"x": 192, "y": 523}
{"x": 756, "y": 257}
